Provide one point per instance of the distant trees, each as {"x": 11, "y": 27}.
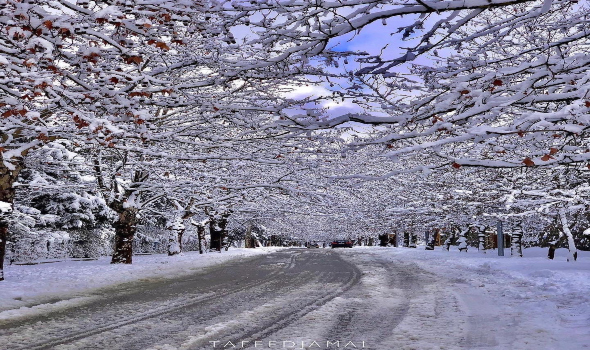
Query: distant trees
{"x": 499, "y": 85}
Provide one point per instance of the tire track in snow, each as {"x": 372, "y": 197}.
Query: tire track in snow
{"x": 277, "y": 322}
{"x": 161, "y": 311}
{"x": 266, "y": 273}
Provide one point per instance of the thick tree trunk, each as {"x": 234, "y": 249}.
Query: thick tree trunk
{"x": 248, "y": 238}
{"x": 571, "y": 244}
{"x": 430, "y": 238}
{"x": 413, "y": 240}
{"x": 176, "y": 228}
{"x": 7, "y": 192}
{"x": 551, "y": 253}
{"x": 180, "y": 234}
{"x": 125, "y": 228}
{"x": 215, "y": 232}
{"x": 516, "y": 244}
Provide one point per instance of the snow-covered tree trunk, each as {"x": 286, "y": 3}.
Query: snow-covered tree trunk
{"x": 430, "y": 241}
{"x": 215, "y": 232}
{"x": 8, "y": 175}
{"x": 201, "y": 237}
{"x": 176, "y": 230}
{"x": 125, "y": 228}
{"x": 481, "y": 239}
{"x": 449, "y": 240}
{"x": 462, "y": 241}
{"x": 516, "y": 242}
{"x": 571, "y": 244}
{"x": 217, "y": 228}
{"x": 406, "y": 241}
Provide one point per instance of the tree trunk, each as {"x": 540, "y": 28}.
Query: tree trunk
{"x": 180, "y": 234}
{"x": 248, "y": 238}
{"x": 551, "y": 253}
{"x": 430, "y": 239}
{"x": 516, "y": 244}
{"x": 201, "y": 237}
{"x": 7, "y": 192}
{"x": 413, "y": 240}
{"x": 3, "y": 238}
{"x": 215, "y": 232}
{"x": 571, "y": 244}
{"x": 176, "y": 228}
{"x": 481, "y": 240}
{"x": 125, "y": 228}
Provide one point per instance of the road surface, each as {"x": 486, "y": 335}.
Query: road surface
{"x": 296, "y": 298}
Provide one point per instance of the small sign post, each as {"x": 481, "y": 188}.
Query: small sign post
{"x": 500, "y": 235}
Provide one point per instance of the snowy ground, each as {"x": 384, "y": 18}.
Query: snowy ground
{"x": 514, "y": 303}
{"x": 30, "y": 289}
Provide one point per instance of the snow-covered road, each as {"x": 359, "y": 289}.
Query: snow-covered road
{"x": 312, "y": 299}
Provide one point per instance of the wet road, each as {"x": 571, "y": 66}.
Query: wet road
{"x": 314, "y": 298}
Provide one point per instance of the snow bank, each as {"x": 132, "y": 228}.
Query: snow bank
{"x": 31, "y": 289}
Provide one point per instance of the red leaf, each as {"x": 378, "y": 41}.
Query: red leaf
{"x": 456, "y": 165}
{"x": 163, "y": 46}
{"x": 8, "y": 113}
{"x": 133, "y": 59}
{"x": 546, "y": 158}
{"x": 497, "y": 82}
{"x": 587, "y": 103}
{"x": 553, "y": 150}
{"x": 464, "y": 92}
{"x": 48, "y": 24}
{"x": 528, "y": 162}
{"x": 114, "y": 80}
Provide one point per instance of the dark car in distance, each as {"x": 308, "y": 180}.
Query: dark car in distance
{"x": 341, "y": 243}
